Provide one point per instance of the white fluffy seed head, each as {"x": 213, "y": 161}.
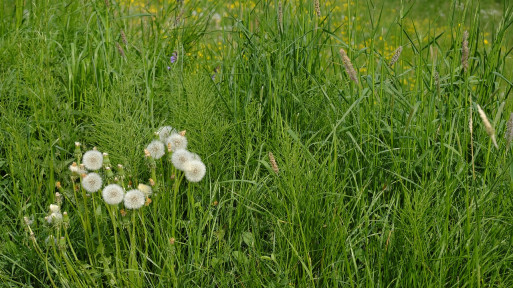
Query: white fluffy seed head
{"x": 156, "y": 149}
{"x": 165, "y": 132}
{"x": 92, "y": 182}
{"x": 134, "y": 199}
{"x": 194, "y": 170}
{"x": 55, "y": 217}
{"x": 180, "y": 157}
{"x": 113, "y": 194}
{"x": 93, "y": 160}
{"x": 54, "y": 208}
{"x": 177, "y": 141}
{"x": 145, "y": 189}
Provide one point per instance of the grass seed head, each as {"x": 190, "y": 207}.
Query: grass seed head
{"x": 348, "y": 65}
{"x": 317, "y": 8}
{"x": 489, "y": 128}
{"x": 397, "y": 54}
{"x": 274, "y": 165}
{"x": 464, "y": 52}
{"x": 509, "y": 130}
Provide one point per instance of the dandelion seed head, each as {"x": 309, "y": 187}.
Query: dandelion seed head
{"x": 54, "y": 218}
{"x": 92, "y": 182}
{"x": 156, "y": 149}
{"x": 134, "y": 199}
{"x": 194, "y": 170}
{"x": 113, "y": 194}
{"x": 165, "y": 132}
{"x": 180, "y": 157}
{"x": 92, "y": 160}
{"x": 177, "y": 141}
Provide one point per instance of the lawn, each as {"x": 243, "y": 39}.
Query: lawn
{"x": 204, "y": 143}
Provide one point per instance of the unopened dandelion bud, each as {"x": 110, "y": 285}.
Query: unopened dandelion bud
{"x": 169, "y": 147}
{"x": 78, "y": 152}
{"x": 147, "y": 202}
{"x": 65, "y": 217}
{"x": 147, "y": 153}
{"x": 173, "y": 176}
{"x": 62, "y": 243}
{"x": 106, "y": 160}
{"x": 183, "y": 133}
{"x": 464, "y": 52}
{"x": 397, "y": 54}
{"x": 317, "y": 7}
{"x": 348, "y": 65}
{"x": 488, "y": 127}
{"x": 274, "y": 165}
{"x": 152, "y": 183}
{"x": 58, "y": 185}
{"x": 172, "y": 241}
{"x": 58, "y": 198}
{"x": 108, "y": 172}
{"x": 122, "y": 212}
{"x": 120, "y": 50}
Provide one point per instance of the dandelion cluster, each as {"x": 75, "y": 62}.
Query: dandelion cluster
{"x": 182, "y": 159}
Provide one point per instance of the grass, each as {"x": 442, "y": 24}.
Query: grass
{"x": 381, "y": 182}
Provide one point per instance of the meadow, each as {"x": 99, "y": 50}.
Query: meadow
{"x": 201, "y": 143}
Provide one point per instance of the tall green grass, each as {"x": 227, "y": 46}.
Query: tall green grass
{"x": 380, "y": 182}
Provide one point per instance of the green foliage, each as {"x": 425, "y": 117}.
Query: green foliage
{"x": 380, "y": 182}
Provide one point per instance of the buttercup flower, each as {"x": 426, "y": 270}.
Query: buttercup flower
{"x": 113, "y": 194}
{"x": 156, "y": 149}
{"x": 194, "y": 170}
{"x": 93, "y": 160}
{"x": 134, "y": 199}
{"x": 92, "y": 182}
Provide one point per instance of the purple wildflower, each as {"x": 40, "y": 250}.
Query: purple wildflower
{"x": 174, "y": 57}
